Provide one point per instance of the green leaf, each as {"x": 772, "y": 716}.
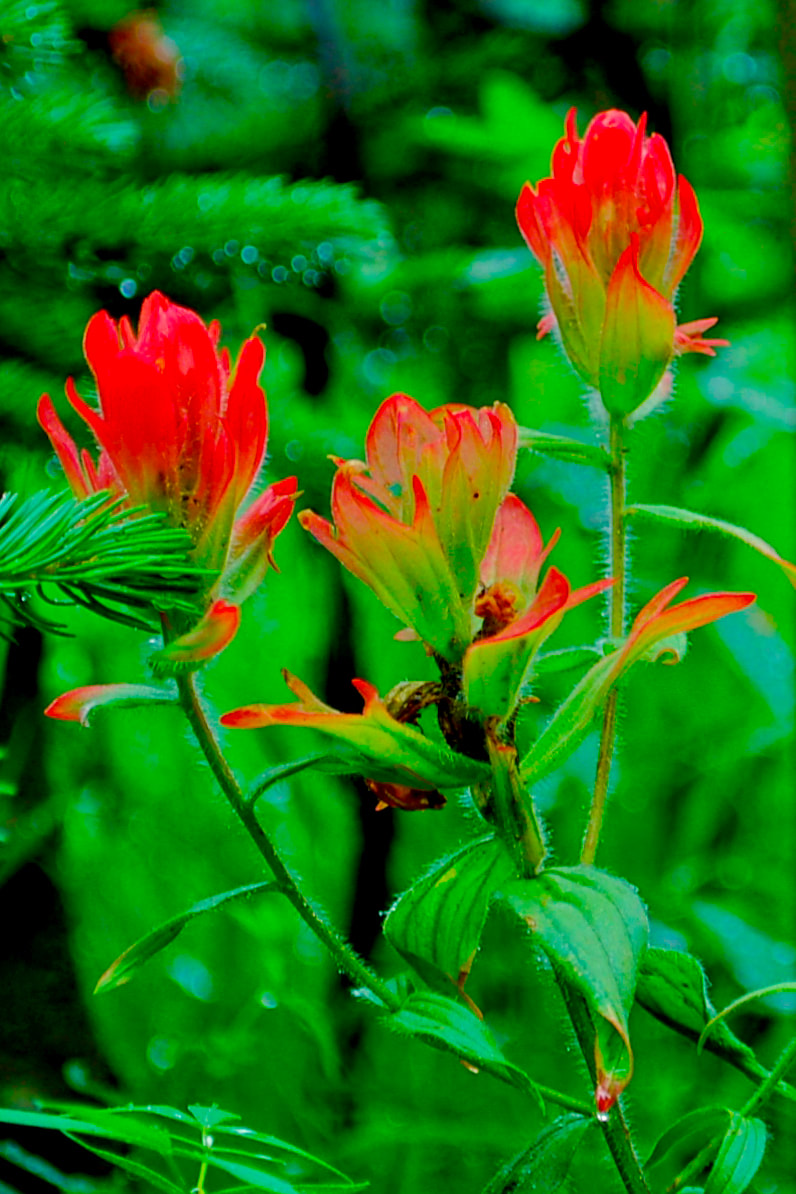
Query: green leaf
{"x": 593, "y": 927}
{"x": 437, "y": 924}
{"x": 283, "y": 771}
{"x": 749, "y": 997}
{"x": 542, "y": 1168}
{"x": 137, "y": 1168}
{"x": 79, "y": 704}
{"x": 673, "y": 988}
{"x": 571, "y": 722}
{"x": 564, "y": 660}
{"x": 699, "y": 522}
{"x": 94, "y": 1122}
{"x": 740, "y": 1157}
{"x": 692, "y": 1132}
{"x": 211, "y": 1117}
{"x": 134, "y": 957}
{"x": 440, "y": 1020}
{"x": 563, "y": 448}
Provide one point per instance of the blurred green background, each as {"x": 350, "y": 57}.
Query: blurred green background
{"x": 345, "y": 173}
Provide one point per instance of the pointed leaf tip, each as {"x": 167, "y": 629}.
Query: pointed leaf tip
{"x": 79, "y": 703}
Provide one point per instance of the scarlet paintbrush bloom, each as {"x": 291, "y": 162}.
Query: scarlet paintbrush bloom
{"x": 403, "y": 767}
{"x": 414, "y": 520}
{"x": 518, "y": 612}
{"x": 180, "y": 431}
{"x": 615, "y": 230}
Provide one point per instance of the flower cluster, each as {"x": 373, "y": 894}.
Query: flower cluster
{"x": 180, "y": 431}
{"x": 615, "y": 230}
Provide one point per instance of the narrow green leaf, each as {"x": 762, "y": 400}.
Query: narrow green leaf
{"x": 211, "y": 1117}
{"x": 41, "y": 1168}
{"x": 137, "y": 1168}
{"x": 740, "y": 1157}
{"x": 94, "y": 1122}
{"x": 692, "y": 1132}
{"x": 673, "y": 988}
{"x": 690, "y": 520}
{"x": 261, "y": 1179}
{"x": 442, "y": 1021}
{"x": 79, "y": 704}
{"x": 563, "y": 448}
{"x": 542, "y": 1168}
{"x": 124, "y": 967}
{"x": 593, "y": 927}
{"x": 749, "y": 997}
{"x": 284, "y": 771}
{"x": 437, "y": 924}
{"x": 571, "y": 722}
{"x": 564, "y": 660}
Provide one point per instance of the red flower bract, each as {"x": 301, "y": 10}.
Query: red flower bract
{"x": 615, "y": 230}
{"x": 179, "y": 431}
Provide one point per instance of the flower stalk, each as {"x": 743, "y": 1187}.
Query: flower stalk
{"x": 344, "y": 955}
{"x": 617, "y": 568}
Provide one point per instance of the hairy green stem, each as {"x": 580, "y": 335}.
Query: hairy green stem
{"x": 345, "y": 956}
{"x": 769, "y": 1085}
{"x": 617, "y": 565}
{"x": 615, "y": 1128}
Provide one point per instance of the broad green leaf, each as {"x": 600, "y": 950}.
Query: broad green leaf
{"x": 739, "y": 1158}
{"x": 673, "y": 988}
{"x": 690, "y": 520}
{"x": 442, "y": 1021}
{"x": 593, "y": 927}
{"x": 133, "y": 958}
{"x": 437, "y": 924}
{"x": 542, "y": 1168}
{"x": 692, "y": 1132}
{"x": 563, "y": 448}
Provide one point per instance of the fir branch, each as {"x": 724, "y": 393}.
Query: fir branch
{"x": 124, "y": 218}
{"x": 117, "y": 562}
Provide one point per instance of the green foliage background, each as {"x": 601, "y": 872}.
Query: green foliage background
{"x": 345, "y": 173}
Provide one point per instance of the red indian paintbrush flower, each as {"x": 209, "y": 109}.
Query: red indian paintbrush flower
{"x": 518, "y": 612}
{"x": 414, "y": 521}
{"x": 615, "y": 230}
{"x": 180, "y": 431}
